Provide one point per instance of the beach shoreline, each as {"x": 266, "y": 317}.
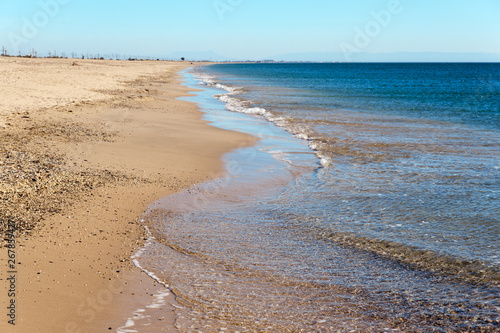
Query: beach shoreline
{"x": 95, "y": 142}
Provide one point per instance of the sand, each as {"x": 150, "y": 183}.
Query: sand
{"x": 86, "y": 145}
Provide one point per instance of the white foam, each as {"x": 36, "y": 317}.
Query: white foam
{"x": 158, "y": 302}
{"x": 278, "y": 121}
{"x": 325, "y": 161}
{"x": 302, "y": 136}
{"x": 159, "y": 298}
{"x": 241, "y": 106}
{"x": 138, "y": 254}
{"x": 211, "y": 81}
{"x": 227, "y": 88}
{"x": 207, "y": 80}
{"x": 232, "y": 104}
{"x": 237, "y": 105}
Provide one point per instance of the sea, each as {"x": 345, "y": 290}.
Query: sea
{"x": 369, "y": 203}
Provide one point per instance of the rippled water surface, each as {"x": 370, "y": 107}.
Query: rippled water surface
{"x": 371, "y": 202}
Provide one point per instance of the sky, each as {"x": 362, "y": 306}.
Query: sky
{"x": 249, "y": 29}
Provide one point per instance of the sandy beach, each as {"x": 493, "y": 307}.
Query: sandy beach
{"x": 86, "y": 145}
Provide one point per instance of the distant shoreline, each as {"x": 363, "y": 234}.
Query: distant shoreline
{"x": 335, "y": 57}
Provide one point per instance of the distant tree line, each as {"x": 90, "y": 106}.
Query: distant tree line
{"x": 54, "y": 54}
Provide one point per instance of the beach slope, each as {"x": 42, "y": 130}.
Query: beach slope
{"x": 86, "y": 145}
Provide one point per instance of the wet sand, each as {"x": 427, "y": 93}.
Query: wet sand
{"x": 85, "y": 147}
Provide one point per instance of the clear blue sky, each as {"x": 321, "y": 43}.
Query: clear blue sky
{"x": 249, "y": 28}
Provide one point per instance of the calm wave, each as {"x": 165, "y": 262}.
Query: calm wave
{"x": 371, "y": 202}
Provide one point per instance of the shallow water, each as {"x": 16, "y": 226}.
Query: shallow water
{"x": 363, "y": 207}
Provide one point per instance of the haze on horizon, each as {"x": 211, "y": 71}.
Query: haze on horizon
{"x": 253, "y": 29}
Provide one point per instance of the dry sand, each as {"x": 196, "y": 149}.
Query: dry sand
{"x": 85, "y": 147}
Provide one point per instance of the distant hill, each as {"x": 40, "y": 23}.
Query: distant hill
{"x": 390, "y": 57}
{"x": 197, "y": 56}
{"x": 352, "y": 57}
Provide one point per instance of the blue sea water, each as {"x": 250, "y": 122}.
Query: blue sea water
{"x": 370, "y": 203}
